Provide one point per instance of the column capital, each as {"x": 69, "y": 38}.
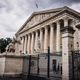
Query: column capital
{"x": 32, "y": 33}
{"x": 36, "y": 31}
{"x": 51, "y": 25}
{"x": 46, "y": 27}
{"x": 66, "y": 21}
{"x": 28, "y": 34}
{"x": 57, "y": 22}
{"x": 66, "y": 18}
{"x": 41, "y": 29}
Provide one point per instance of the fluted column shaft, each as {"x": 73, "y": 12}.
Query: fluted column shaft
{"x": 22, "y": 43}
{"x": 28, "y": 45}
{"x": 21, "y": 46}
{"x": 36, "y": 39}
{"x": 46, "y": 40}
{"x": 32, "y": 43}
{"x": 41, "y": 39}
{"x": 25, "y": 44}
{"x": 51, "y": 38}
{"x": 58, "y": 37}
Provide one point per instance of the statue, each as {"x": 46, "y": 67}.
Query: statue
{"x": 11, "y": 46}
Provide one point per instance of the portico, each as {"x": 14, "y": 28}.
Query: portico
{"x": 49, "y": 35}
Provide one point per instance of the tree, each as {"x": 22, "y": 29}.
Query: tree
{"x": 4, "y": 43}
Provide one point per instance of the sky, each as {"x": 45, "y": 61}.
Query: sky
{"x": 13, "y": 13}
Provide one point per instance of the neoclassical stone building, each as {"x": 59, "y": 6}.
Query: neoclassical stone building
{"x": 43, "y": 29}
{"x": 58, "y": 29}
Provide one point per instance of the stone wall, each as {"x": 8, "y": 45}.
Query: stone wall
{"x": 11, "y": 64}
{"x": 2, "y": 64}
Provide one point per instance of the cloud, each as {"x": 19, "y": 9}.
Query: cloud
{"x": 13, "y": 13}
{"x": 64, "y": 1}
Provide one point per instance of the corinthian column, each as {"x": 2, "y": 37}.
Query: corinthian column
{"x": 51, "y": 38}
{"x": 46, "y": 39}
{"x": 36, "y": 39}
{"x": 41, "y": 39}
{"x": 28, "y": 45}
{"x": 22, "y": 42}
{"x": 32, "y": 43}
{"x": 58, "y": 37}
{"x": 25, "y": 44}
{"x": 21, "y": 46}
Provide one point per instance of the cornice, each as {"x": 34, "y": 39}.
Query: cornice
{"x": 49, "y": 19}
{"x": 39, "y": 12}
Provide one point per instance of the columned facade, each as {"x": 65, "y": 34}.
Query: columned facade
{"x": 43, "y": 31}
{"x": 54, "y": 29}
{"x": 43, "y": 38}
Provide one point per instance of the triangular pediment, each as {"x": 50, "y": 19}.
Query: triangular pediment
{"x": 40, "y": 16}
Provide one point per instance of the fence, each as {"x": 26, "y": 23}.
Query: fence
{"x": 48, "y": 65}
{"x": 75, "y": 65}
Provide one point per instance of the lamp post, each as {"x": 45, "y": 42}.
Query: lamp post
{"x": 38, "y": 65}
{"x": 29, "y": 69}
{"x": 75, "y": 55}
{"x": 72, "y": 55}
{"x": 77, "y": 58}
{"x": 48, "y": 64}
{"x": 72, "y": 65}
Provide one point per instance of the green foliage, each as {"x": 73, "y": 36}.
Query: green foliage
{"x": 4, "y": 43}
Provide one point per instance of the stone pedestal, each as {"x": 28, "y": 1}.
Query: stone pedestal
{"x": 67, "y": 46}
{"x": 11, "y": 64}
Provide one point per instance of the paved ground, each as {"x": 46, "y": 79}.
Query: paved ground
{"x": 30, "y": 77}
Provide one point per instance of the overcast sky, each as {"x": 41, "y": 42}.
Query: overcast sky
{"x": 13, "y": 13}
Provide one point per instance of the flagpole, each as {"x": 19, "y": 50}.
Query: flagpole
{"x": 36, "y": 4}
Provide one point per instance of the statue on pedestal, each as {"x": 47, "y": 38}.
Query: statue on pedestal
{"x": 11, "y": 47}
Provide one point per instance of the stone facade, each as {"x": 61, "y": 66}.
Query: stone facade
{"x": 42, "y": 29}
{"x": 11, "y": 64}
{"x": 45, "y": 29}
